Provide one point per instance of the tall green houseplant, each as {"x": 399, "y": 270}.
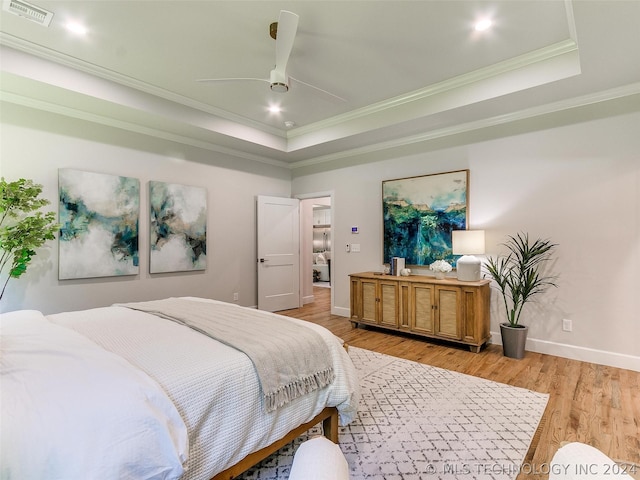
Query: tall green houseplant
{"x": 520, "y": 276}
{"x": 22, "y": 232}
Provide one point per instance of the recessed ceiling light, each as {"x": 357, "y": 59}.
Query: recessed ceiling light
{"x": 483, "y": 25}
{"x": 289, "y": 124}
{"x": 275, "y": 109}
{"x": 77, "y": 28}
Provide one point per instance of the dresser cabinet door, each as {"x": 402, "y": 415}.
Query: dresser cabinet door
{"x": 388, "y": 298}
{"x": 422, "y": 313}
{"x": 448, "y": 313}
{"x": 369, "y": 299}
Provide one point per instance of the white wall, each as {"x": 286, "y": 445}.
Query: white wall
{"x": 579, "y": 185}
{"x": 35, "y": 144}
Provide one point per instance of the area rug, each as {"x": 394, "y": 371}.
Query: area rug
{"x": 416, "y": 422}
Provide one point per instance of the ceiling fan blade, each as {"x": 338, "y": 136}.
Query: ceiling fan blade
{"x": 287, "y": 27}
{"x": 329, "y": 94}
{"x": 212, "y": 80}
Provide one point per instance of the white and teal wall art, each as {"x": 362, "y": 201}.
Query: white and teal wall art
{"x": 419, "y": 214}
{"x": 178, "y": 216}
{"x": 99, "y": 216}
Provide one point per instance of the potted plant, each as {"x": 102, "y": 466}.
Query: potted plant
{"x": 22, "y": 234}
{"x": 520, "y": 276}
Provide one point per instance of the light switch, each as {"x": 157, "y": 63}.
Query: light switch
{"x": 355, "y": 247}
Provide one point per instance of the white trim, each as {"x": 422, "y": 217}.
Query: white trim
{"x": 527, "y": 113}
{"x": 551, "y": 52}
{"x": 330, "y": 194}
{"x": 492, "y": 71}
{"x": 341, "y": 312}
{"x": 584, "y": 354}
{"x": 573, "y": 352}
{"x": 306, "y": 196}
{"x": 118, "y": 78}
{"x": 308, "y": 299}
{"x": 134, "y": 127}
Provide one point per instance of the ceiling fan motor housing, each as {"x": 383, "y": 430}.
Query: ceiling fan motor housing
{"x": 278, "y": 81}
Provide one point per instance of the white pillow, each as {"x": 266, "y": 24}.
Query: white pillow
{"x": 579, "y": 461}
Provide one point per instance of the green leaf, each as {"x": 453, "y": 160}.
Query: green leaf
{"x": 519, "y": 275}
{"x": 21, "y": 234}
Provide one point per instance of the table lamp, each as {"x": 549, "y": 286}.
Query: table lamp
{"x": 467, "y": 243}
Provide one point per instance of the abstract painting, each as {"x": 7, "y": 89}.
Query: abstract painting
{"x": 99, "y": 217}
{"x": 419, "y": 214}
{"x": 178, "y": 227}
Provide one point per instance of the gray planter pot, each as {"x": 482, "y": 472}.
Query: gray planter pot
{"x": 514, "y": 340}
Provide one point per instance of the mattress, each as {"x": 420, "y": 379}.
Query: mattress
{"x": 212, "y": 386}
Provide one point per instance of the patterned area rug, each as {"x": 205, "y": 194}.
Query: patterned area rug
{"x": 416, "y": 422}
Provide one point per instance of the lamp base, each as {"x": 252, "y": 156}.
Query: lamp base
{"x": 468, "y": 268}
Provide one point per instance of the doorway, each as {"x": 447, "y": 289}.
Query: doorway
{"x": 317, "y": 265}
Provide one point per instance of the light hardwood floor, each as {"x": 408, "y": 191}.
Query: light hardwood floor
{"x": 588, "y": 403}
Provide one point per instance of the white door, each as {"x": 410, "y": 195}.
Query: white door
{"x": 278, "y": 253}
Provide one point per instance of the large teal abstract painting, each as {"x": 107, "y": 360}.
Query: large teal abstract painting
{"x": 99, "y": 216}
{"x": 178, "y": 237}
{"x": 419, "y": 214}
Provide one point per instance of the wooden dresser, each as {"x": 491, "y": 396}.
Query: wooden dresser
{"x": 446, "y": 309}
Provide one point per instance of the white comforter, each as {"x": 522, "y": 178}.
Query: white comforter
{"x": 213, "y": 387}
{"x": 71, "y": 410}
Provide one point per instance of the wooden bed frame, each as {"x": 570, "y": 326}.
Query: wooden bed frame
{"x": 329, "y": 419}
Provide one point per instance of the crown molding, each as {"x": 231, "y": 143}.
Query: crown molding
{"x": 492, "y": 71}
{"x": 134, "y": 127}
{"x": 576, "y": 102}
{"x": 358, "y": 115}
{"x": 581, "y": 101}
{"x": 106, "y": 74}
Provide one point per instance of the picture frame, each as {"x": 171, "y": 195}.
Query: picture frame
{"x": 99, "y": 216}
{"x": 419, "y": 213}
{"x": 178, "y": 227}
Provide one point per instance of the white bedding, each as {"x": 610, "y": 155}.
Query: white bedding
{"x": 71, "y": 410}
{"x": 198, "y": 374}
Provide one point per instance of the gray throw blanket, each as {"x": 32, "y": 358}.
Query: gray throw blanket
{"x": 290, "y": 360}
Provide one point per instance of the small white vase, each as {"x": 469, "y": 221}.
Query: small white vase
{"x": 440, "y": 275}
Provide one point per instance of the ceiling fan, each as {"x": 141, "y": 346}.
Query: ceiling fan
{"x": 283, "y": 32}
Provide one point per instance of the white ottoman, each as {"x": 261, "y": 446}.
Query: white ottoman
{"x": 319, "y": 459}
{"x": 578, "y": 461}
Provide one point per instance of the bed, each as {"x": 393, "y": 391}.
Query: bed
{"x": 124, "y": 392}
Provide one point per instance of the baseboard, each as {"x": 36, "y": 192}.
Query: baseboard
{"x": 341, "y": 311}
{"x": 308, "y": 299}
{"x": 584, "y": 354}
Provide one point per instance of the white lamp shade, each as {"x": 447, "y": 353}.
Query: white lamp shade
{"x": 467, "y": 242}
